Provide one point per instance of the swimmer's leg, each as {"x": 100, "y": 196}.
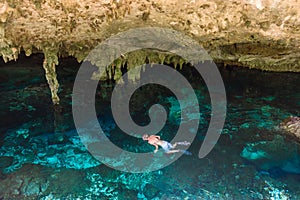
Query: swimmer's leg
{"x": 179, "y": 150}
{"x": 185, "y": 143}
{"x": 186, "y": 152}
{"x": 173, "y": 151}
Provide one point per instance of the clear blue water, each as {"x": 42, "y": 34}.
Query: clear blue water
{"x": 42, "y": 157}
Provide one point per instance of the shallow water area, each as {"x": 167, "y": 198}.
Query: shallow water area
{"x": 42, "y": 156}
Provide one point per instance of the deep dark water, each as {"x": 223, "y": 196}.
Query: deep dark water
{"x": 41, "y": 156}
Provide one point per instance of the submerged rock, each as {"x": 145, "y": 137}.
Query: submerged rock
{"x": 5, "y": 161}
{"x": 40, "y": 150}
{"x": 34, "y": 186}
{"x": 28, "y": 183}
{"x": 151, "y": 191}
{"x": 275, "y": 154}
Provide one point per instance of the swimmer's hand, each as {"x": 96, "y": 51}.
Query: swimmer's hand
{"x": 155, "y": 151}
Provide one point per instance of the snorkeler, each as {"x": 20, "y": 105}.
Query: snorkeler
{"x": 166, "y": 146}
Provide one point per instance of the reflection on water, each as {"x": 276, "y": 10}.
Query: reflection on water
{"x": 41, "y": 155}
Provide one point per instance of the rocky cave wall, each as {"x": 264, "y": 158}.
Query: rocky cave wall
{"x": 261, "y": 34}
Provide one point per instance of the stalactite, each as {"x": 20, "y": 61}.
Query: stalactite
{"x": 27, "y": 49}
{"x": 161, "y": 58}
{"x": 118, "y": 63}
{"x": 49, "y": 65}
{"x": 181, "y": 62}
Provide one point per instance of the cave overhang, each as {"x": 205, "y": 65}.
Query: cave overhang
{"x": 260, "y": 34}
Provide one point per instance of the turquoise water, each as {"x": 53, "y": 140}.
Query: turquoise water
{"x": 42, "y": 157}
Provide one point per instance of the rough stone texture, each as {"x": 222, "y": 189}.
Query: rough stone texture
{"x": 261, "y": 34}
{"x": 25, "y": 184}
{"x": 37, "y": 182}
{"x": 291, "y": 126}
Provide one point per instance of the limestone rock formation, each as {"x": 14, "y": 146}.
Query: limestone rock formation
{"x": 291, "y": 126}
{"x": 262, "y": 34}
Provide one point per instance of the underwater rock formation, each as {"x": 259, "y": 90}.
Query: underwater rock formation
{"x": 275, "y": 154}
{"x": 262, "y": 34}
{"x": 292, "y": 126}
{"x": 56, "y": 150}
